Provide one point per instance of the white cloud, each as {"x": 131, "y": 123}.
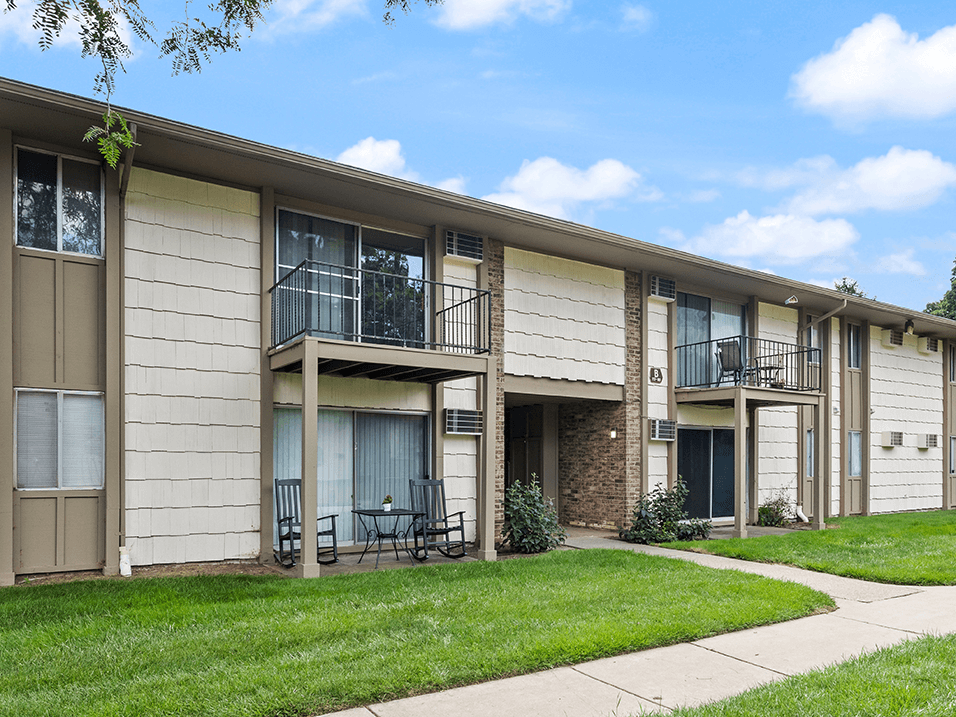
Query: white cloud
{"x": 704, "y": 195}
{"x": 19, "y": 23}
{"x": 453, "y": 184}
{"x": 778, "y": 239}
{"x": 880, "y": 70}
{"x": 548, "y": 187}
{"x": 900, "y": 263}
{"x": 636, "y": 17}
{"x": 472, "y": 14}
{"x": 383, "y": 156}
{"x": 307, "y": 15}
{"x": 901, "y": 179}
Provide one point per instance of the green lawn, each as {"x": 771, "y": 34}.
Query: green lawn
{"x": 902, "y": 548}
{"x": 239, "y": 645}
{"x": 913, "y": 678}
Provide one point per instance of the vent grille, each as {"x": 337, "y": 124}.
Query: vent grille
{"x": 892, "y": 337}
{"x": 928, "y": 345}
{"x": 463, "y": 422}
{"x": 663, "y": 429}
{"x": 929, "y": 440}
{"x": 892, "y": 439}
{"x": 663, "y": 288}
{"x": 464, "y": 246}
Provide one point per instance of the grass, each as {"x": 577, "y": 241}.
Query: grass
{"x": 240, "y": 645}
{"x": 914, "y": 678}
{"x": 902, "y": 548}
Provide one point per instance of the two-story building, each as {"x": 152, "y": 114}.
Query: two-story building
{"x": 218, "y": 314}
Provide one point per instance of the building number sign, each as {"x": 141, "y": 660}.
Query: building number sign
{"x": 657, "y": 376}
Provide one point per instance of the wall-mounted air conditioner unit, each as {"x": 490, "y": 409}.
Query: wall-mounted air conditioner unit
{"x": 891, "y": 439}
{"x": 928, "y": 440}
{"x": 891, "y": 338}
{"x": 663, "y": 288}
{"x": 464, "y": 246}
{"x": 463, "y": 422}
{"x": 927, "y": 345}
{"x": 663, "y": 429}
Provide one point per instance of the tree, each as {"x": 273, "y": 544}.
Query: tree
{"x": 945, "y": 307}
{"x": 188, "y": 42}
{"x": 851, "y": 287}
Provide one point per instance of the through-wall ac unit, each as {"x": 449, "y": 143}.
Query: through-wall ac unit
{"x": 463, "y": 422}
{"x": 928, "y": 440}
{"x": 891, "y": 439}
{"x": 464, "y": 246}
{"x": 663, "y": 429}
{"x": 663, "y": 288}
{"x": 927, "y": 345}
{"x": 891, "y": 338}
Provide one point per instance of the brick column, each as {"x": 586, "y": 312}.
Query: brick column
{"x": 493, "y": 279}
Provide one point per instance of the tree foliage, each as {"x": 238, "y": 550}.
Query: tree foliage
{"x": 851, "y": 287}
{"x": 189, "y": 42}
{"x": 945, "y": 307}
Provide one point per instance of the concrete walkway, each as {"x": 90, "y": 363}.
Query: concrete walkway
{"x": 869, "y": 615}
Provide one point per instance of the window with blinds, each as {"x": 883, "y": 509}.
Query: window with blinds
{"x": 60, "y": 440}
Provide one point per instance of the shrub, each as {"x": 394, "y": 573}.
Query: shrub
{"x": 531, "y": 522}
{"x": 659, "y": 517}
{"x": 777, "y": 511}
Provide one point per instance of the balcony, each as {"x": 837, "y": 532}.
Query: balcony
{"x": 748, "y": 361}
{"x": 378, "y": 325}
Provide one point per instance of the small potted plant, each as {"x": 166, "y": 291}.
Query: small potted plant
{"x": 387, "y": 503}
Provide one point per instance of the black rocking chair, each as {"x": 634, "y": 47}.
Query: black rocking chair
{"x": 289, "y": 520}
{"x": 435, "y": 529}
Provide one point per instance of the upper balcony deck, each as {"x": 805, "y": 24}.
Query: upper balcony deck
{"x": 377, "y": 325}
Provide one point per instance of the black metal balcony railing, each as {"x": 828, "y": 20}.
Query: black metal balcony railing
{"x": 351, "y": 304}
{"x": 748, "y": 361}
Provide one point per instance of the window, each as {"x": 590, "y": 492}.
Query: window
{"x": 855, "y": 457}
{"x": 854, "y": 349}
{"x": 59, "y": 203}
{"x": 811, "y": 459}
{"x": 361, "y": 283}
{"x": 812, "y": 339}
{"x": 952, "y": 454}
{"x": 952, "y": 362}
{"x": 701, "y": 322}
{"x": 60, "y": 439}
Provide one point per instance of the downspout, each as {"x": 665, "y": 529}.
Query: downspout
{"x": 826, "y": 316}
{"x": 123, "y": 188}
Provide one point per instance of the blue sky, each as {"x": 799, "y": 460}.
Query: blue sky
{"x": 812, "y": 140}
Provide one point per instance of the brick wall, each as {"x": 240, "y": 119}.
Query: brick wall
{"x": 495, "y": 272}
{"x": 600, "y": 476}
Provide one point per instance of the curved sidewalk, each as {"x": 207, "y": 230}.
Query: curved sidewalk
{"x": 868, "y": 616}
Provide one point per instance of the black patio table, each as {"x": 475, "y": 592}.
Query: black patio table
{"x": 380, "y": 531}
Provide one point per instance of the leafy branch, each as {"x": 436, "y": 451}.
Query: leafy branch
{"x": 111, "y": 142}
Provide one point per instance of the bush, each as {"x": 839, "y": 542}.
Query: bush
{"x": 659, "y": 517}
{"x": 777, "y": 511}
{"x": 531, "y": 522}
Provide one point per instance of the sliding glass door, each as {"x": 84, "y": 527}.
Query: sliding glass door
{"x": 362, "y": 457}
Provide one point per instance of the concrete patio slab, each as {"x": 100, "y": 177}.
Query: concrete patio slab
{"x": 679, "y": 675}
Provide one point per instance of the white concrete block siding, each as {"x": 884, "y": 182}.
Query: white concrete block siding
{"x": 192, "y": 370}
{"x": 563, "y": 319}
{"x": 906, "y": 389}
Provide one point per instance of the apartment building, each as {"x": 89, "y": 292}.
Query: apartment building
{"x": 218, "y": 313}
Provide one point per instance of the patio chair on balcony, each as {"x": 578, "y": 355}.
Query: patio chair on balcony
{"x": 288, "y": 518}
{"x": 435, "y": 529}
{"x": 730, "y": 362}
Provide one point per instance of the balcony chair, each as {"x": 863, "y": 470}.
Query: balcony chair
{"x": 288, "y": 499}
{"x": 436, "y": 530}
{"x": 730, "y": 362}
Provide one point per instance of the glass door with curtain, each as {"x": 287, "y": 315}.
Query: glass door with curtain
{"x": 361, "y": 456}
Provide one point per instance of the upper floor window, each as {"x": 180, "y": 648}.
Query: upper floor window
{"x": 59, "y": 203}
{"x": 854, "y": 349}
{"x": 952, "y": 362}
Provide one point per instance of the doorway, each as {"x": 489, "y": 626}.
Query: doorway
{"x": 705, "y": 460}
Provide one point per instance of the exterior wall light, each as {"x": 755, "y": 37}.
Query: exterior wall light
{"x": 613, "y": 433}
